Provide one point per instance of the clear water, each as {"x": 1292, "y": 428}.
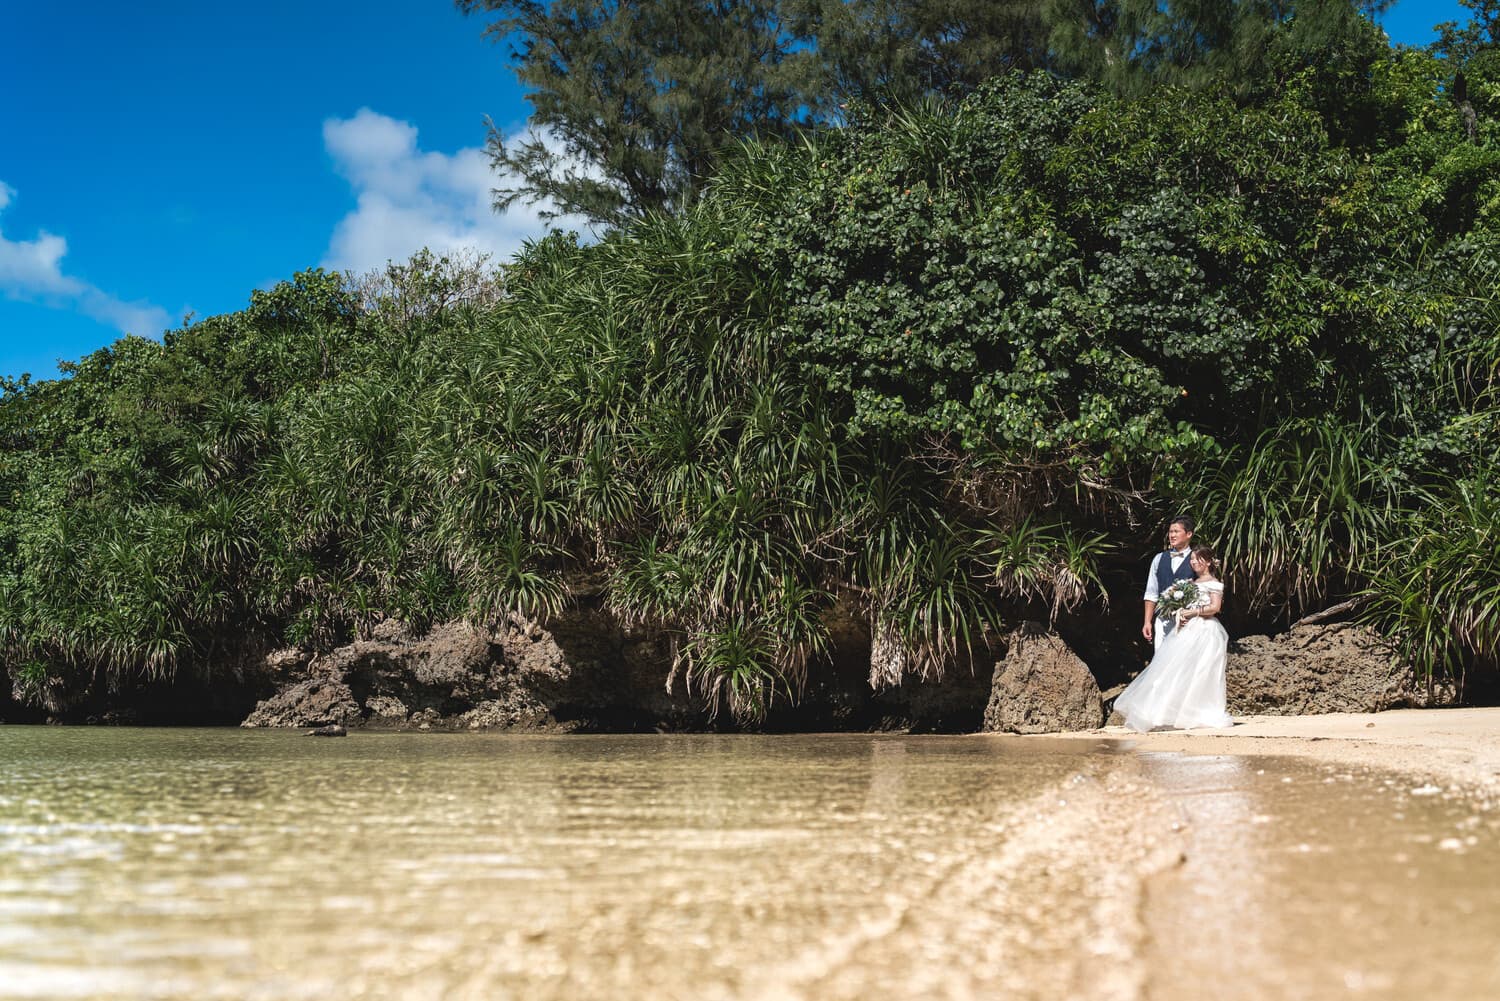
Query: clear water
{"x": 208, "y": 864}
{"x": 241, "y": 864}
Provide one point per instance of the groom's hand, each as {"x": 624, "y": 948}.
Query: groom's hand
{"x": 1147, "y": 631}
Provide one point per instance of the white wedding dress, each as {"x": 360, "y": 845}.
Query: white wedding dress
{"x": 1183, "y": 686}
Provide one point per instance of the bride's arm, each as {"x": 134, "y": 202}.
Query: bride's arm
{"x": 1208, "y": 611}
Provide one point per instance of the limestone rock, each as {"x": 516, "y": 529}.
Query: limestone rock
{"x": 452, "y": 658}
{"x": 390, "y": 631}
{"x": 426, "y": 719}
{"x": 584, "y": 670}
{"x": 458, "y": 676}
{"x": 1107, "y": 697}
{"x": 284, "y": 662}
{"x": 315, "y": 702}
{"x": 386, "y": 709}
{"x": 1041, "y": 687}
{"x": 395, "y": 675}
{"x": 516, "y": 713}
{"x": 1340, "y": 668}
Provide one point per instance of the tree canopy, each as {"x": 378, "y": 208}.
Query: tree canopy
{"x": 636, "y": 103}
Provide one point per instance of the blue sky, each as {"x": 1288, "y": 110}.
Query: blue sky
{"x": 168, "y": 157}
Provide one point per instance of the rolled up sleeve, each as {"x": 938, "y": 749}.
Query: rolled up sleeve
{"x": 1151, "y": 593}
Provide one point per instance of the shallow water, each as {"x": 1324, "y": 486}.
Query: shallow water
{"x": 250, "y": 864}
{"x": 1307, "y": 881}
{"x": 213, "y": 863}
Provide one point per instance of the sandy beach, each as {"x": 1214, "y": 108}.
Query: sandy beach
{"x": 1450, "y": 746}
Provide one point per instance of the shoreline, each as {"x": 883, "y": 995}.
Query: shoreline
{"x": 1455, "y": 747}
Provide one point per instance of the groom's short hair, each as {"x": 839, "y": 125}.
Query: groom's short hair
{"x": 1185, "y": 521}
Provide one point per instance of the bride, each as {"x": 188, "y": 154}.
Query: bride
{"x": 1183, "y": 686}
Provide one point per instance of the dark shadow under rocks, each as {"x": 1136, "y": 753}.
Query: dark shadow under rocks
{"x": 583, "y": 672}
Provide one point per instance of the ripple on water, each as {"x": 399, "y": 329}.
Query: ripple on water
{"x": 208, "y": 864}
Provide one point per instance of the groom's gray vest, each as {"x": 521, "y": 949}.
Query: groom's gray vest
{"x": 1166, "y": 576}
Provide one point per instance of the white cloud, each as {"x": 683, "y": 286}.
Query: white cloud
{"x": 31, "y": 270}
{"x": 408, "y": 199}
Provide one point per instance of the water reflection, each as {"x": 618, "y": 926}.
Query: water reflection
{"x": 202, "y": 864}
{"x": 1289, "y": 890}
{"x": 887, "y": 780}
{"x": 229, "y": 864}
{"x": 1209, "y": 933}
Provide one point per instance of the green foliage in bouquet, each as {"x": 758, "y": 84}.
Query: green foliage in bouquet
{"x": 1182, "y": 594}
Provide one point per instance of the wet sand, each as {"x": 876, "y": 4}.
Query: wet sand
{"x": 1449, "y": 746}
{"x": 1349, "y": 855}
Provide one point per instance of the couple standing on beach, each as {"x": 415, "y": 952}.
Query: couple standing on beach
{"x": 1183, "y": 686}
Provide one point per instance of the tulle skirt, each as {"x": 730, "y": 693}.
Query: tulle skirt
{"x": 1183, "y": 686}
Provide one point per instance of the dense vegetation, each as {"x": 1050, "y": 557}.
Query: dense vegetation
{"x": 942, "y": 365}
{"x": 636, "y": 103}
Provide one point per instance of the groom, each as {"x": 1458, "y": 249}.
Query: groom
{"x": 1170, "y": 566}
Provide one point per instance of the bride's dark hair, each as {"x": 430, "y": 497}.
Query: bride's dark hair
{"x": 1206, "y": 553}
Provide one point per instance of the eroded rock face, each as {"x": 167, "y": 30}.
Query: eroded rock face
{"x": 397, "y": 680}
{"x": 584, "y": 671}
{"x": 581, "y": 670}
{"x": 1041, "y": 687}
{"x": 1340, "y": 668}
{"x": 315, "y": 702}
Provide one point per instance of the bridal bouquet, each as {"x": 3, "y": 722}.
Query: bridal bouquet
{"x": 1174, "y": 599}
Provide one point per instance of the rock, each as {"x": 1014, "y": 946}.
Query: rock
{"x": 1041, "y": 687}
{"x": 506, "y": 714}
{"x": 457, "y": 676}
{"x": 573, "y": 661}
{"x": 126, "y": 716}
{"x": 390, "y": 631}
{"x": 331, "y": 730}
{"x": 1322, "y": 669}
{"x": 315, "y": 702}
{"x": 583, "y": 670}
{"x": 426, "y": 719}
{"x": 1107, "y": 698}
{"x": 385, "y": 709}
{"x": 453, "y": 659}
{"x": 283, "y": 662}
